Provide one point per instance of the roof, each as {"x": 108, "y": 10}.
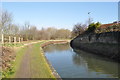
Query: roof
{"x": 107, "y": 25}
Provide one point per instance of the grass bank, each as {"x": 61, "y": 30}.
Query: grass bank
{"x": 30, "y": 61}
{"x": 38, "y": 67}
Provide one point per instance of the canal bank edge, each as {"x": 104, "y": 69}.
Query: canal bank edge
{"x": 105, "y": 44}
{"x": 54, "y": 72}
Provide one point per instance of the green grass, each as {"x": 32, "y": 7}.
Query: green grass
{"x": 19, "y": 55}
{"x": 18, "y": 44}
{"x": 13, "y": 45}
{"x": 38, "y": 64}
{"x": 14, "y": 65}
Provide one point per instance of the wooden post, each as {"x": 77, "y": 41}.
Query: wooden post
{"x": 9, "y": 39}
{"x": 14, "y": 39}
{"x": 2, "y": 39}
{"x": 19, "y": 39}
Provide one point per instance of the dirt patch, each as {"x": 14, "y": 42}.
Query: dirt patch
{"x": 7, "y": 56}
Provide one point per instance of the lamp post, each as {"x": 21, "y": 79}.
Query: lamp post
{"x": 89, "y": 18}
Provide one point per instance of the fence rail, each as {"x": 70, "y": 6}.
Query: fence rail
{"x": 10, "y": 39}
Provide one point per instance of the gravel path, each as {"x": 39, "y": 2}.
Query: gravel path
{"x": 24, "y": 70}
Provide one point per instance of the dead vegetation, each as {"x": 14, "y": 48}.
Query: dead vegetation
{"x": 7, "y": 56}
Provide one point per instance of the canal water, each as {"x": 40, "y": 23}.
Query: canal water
{"x": 71, "y": 63}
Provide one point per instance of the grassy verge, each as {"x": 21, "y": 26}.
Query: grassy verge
{"x": 11, "y": 70}
{"x": 18, "y": 44}
{"x": 16, "y": 64}
{"x": 38, "y": 64}
{"x": 13, "y": 45}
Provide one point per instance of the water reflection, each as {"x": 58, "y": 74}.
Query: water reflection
{"x": 79, "y": 64}
{"x": 56, "y": 47}
{"x": 96, "y": 63}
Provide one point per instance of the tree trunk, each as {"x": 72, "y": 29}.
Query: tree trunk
{"x": 14, "y": 39}
{"x": 19, "y": 39}
{"x": 2, "y": 39}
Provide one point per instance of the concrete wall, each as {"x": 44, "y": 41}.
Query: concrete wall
{"x": 106, "y": 44}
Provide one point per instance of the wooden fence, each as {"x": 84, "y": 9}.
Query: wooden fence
{"x": 10, "y": 39}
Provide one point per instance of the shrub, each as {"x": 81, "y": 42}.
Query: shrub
{"x": 92, "y": 27}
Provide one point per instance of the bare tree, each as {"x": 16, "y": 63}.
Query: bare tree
{"x": 5, "y": 21}
{"x": 32, "y": 32}
{"x": 26, "y": 30}
{"x": 63, "y": 34}
{"x": 78, "y": 29}
{"x": 13, "y": 29}
{"x": 51, "y": 31}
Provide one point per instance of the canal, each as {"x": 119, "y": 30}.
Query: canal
{"x": 71, "y": 63}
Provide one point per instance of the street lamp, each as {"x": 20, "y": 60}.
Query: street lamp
{"x": 89, "y": 18}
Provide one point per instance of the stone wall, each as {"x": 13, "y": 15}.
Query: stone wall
{"x": 106, "y": 44}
